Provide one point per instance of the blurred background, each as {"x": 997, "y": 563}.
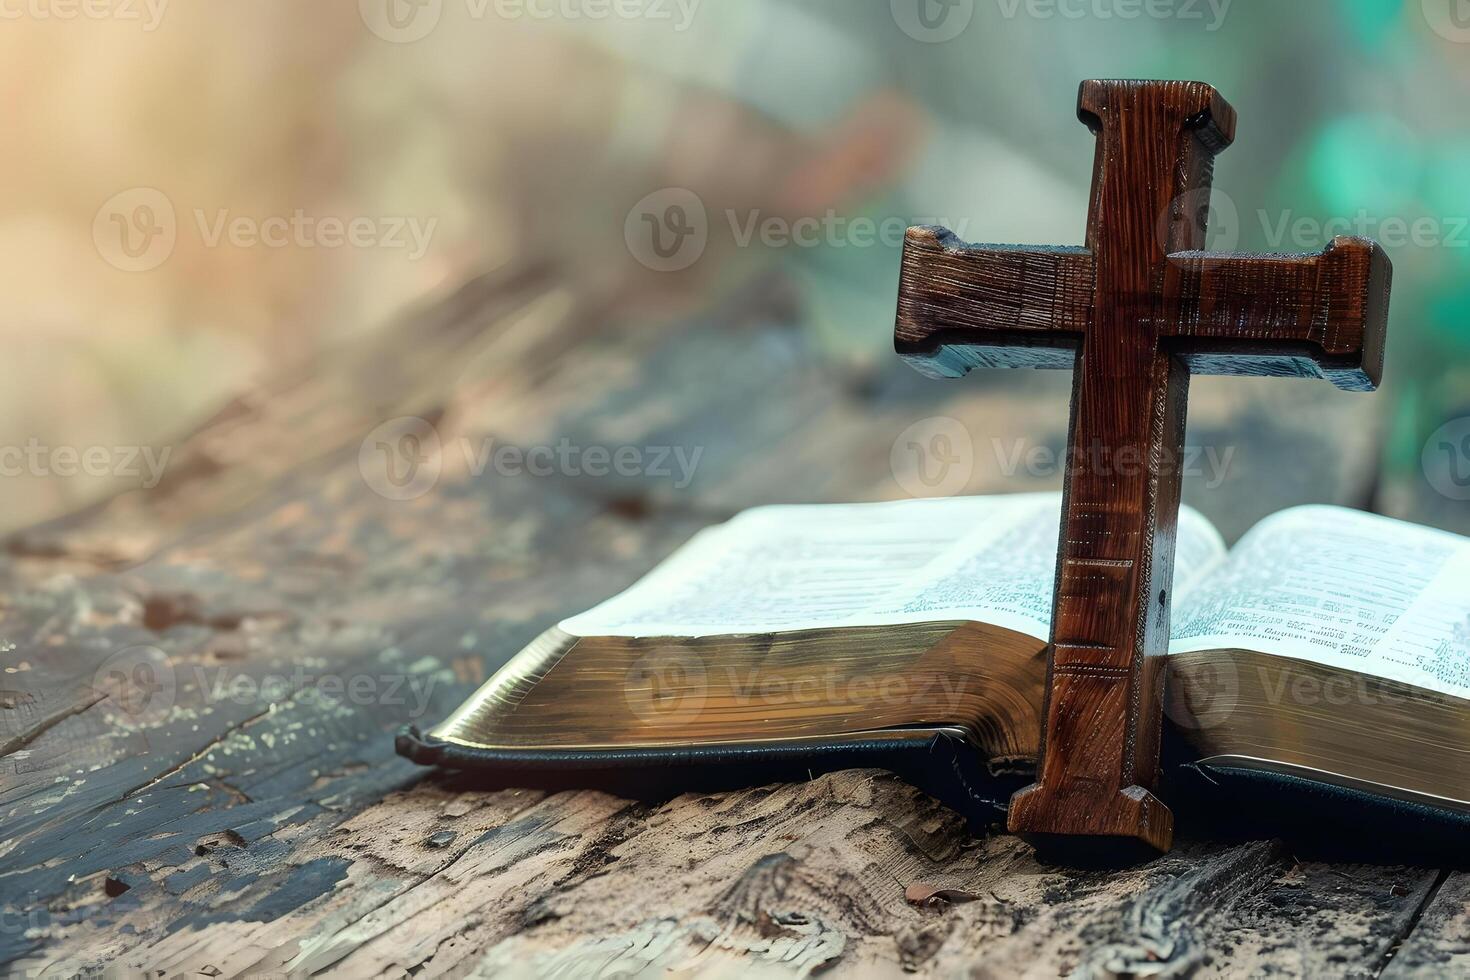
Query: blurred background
{"x": 200, "y": 196}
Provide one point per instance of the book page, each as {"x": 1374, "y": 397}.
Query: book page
{"x": 1345, "y": 589}
{"x": 1008, "y": 580}
{"x": 774, "y": 569}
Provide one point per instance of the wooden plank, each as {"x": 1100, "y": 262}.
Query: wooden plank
{"x": 1211, "y": 910}
{"x": 243, "y": 828}
{"x": 1439, "y": 944}
{"x": 795, "y": 878}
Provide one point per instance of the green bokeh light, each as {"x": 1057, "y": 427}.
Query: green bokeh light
{"x": 1371, "y": 162}
{"x": 1449, "y": 319}
{"x": 1446, "y": 190}
{"x": 1372, "y": 21}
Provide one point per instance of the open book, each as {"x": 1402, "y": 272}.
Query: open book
{"x": 1329, "y": 646}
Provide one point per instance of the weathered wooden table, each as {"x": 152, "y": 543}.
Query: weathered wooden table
{"x": 201, "y": 685}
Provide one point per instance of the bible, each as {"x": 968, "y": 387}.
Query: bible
{"x": 1325, "y": 656}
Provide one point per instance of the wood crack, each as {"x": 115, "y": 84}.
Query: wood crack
{"x": 209, "y": 747}
{"x": 18, "y": 742}
{"x": 1412, "y": 923}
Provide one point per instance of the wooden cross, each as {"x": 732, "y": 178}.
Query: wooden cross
{"x": 1133, "y": 313}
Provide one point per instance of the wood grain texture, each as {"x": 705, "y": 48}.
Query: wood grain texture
{"x": 1133, "y": 313}
{"x": 1322, "y": 315}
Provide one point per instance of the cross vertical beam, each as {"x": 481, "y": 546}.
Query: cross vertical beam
{"x": 1156, "y": 144}
{"x": 1133, "y": 313}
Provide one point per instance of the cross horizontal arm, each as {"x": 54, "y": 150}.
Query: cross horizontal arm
{"x": 1322, "y": 315}
{"x": 1316, "y": 315}
{"x": 964, "y": 306}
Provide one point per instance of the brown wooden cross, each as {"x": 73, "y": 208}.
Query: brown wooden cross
{"x": 1134, "y": 313}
